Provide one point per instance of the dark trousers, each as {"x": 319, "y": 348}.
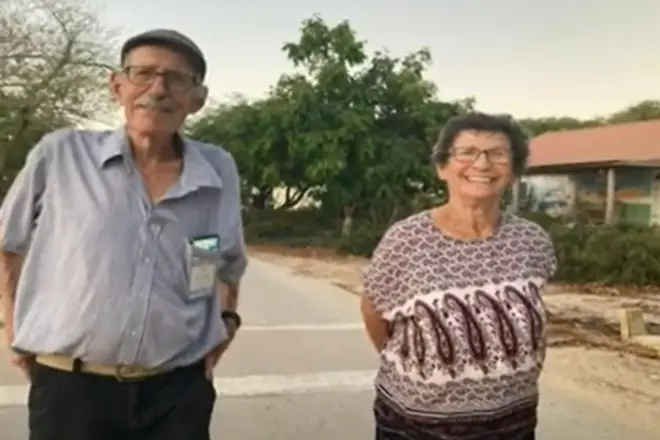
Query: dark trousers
{"x": 383, "y": 435}
{"x": 393, "y": 425}
{"x": 81, "y": 406}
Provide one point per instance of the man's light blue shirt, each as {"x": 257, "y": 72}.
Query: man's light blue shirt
{"x": 105, "y": 277}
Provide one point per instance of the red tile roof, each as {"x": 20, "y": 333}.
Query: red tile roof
{"x": 632, "y": 142}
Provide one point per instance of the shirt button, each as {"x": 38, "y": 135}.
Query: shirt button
{"x": 147, "y": 259}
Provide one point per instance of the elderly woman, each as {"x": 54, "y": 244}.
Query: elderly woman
{"x": 452, "y": 299}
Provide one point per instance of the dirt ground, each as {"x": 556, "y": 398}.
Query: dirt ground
{"x": 587, "y": 358}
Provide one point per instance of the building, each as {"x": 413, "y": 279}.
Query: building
{"x": 604, "y": 174}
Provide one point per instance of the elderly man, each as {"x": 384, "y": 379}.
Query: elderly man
{"x": 121, "y": 259}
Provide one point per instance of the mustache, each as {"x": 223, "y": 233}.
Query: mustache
{"x": 156, "y": 104}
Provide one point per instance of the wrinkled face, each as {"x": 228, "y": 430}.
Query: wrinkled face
{"x": 480, "y": 166}
{"x": 157, "y": 90}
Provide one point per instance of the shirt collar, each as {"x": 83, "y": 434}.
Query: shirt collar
{"x": 197, "y": 171}
{"x": 112, "y": 146}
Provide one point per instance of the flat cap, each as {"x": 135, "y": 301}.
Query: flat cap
{"x": 171, "y": 39}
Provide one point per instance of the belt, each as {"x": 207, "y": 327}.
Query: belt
{"x": 119, "y": 372}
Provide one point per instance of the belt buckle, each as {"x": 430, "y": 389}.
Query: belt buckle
{"x": 121, "y": 371}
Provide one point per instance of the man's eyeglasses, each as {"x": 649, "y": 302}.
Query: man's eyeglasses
{"x": 144, "y": 76}
{"x": 500, "y": 156}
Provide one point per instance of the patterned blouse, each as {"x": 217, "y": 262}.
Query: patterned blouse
{"x": 467, "y": 329}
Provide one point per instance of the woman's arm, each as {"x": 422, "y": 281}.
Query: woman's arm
{"x": 377, "y": 328}
{"x": 380, "y": 284}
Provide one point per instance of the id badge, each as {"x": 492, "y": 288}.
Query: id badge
{"x": 203, "y": 255}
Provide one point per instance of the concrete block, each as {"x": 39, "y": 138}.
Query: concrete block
{"x": 651, "y": 341}
{"x": 632, "y": 323}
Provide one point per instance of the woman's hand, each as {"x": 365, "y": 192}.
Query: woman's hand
{"x": 377, "y": 328}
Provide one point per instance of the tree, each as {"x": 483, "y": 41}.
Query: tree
{"x": 267, "y": 142}
{"x": 351, "y": 130}
{"x": 538, "y": 126}
{"x": 54, "y": 60}
{"x": 251, "y": 132}
{"x": 642, "y": 111}
{"x": 376, "y": 123}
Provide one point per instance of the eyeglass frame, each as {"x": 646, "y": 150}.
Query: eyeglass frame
{"x": 163, "y": 73}
{"x": 506, "y": 158}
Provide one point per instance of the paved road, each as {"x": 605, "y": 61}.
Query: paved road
{"x": 301, "y": 369}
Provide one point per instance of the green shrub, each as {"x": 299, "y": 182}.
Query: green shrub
{"x": 622, "y": 254}
{"x": 362, "y": 241}
{"x": 308, "y": 227}
{"x": 568, "y": 244}
{"x": 541, "y": 218}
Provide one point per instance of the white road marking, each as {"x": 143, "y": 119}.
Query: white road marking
{"x": 303, "y": 327}
{"x": 253, "y": 386}
{"x": 262, "y": 385}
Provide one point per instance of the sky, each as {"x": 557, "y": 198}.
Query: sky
{"x": 528, "y": 58}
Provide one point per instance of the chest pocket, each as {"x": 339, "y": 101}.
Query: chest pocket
{"x": 193, "y": 269}
{"x": 202, "y": 266}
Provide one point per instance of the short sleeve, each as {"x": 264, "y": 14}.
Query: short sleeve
{"x": 233, "y": 269}
{"x": 384, "y": 271}
{"x": 23, "y": 202}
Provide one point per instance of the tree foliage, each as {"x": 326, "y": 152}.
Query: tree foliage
{"x": 54, "y": 61}
{"x": 613, "y": 255}
{"x": 349, "y": 129}
{"x": 642, "y": 111}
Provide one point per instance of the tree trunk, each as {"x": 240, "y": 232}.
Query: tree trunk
{"x": 292, "y": 197}
{"x": 347, "y": 223}
{"x": 260, "y": 199}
